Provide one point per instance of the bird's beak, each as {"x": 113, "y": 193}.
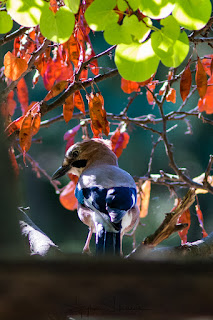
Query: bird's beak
{"x": 61, "y": 171}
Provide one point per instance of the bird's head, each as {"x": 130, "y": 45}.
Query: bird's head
{"x": 84, "y": 154}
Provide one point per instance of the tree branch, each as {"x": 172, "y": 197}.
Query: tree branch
{"x": 9, "y": 37}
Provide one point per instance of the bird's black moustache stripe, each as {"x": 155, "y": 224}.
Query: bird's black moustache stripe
{"x": 79, "y": 163}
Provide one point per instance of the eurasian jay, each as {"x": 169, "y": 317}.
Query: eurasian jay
{"x": 106, "y": 194}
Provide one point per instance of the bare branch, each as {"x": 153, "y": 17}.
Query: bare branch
{"x": 9, "y": 37}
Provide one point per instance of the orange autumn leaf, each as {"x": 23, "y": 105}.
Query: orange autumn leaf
{"x": 129, "y": 86}
{"x": 184, "y": 218}
{"x": 67, "y": 197}
{"x": 149, "y": 94}
{"x": 201, "y": 79}
{"x": 207, "y": 64}
{"x": 98, "y": 114}
{"x": 200, "y": 219}
{"x": 171, "y": 95}
{"x": 206, "y": 104}
{"x": 143, "y": 198}
{"x": 185, "y": 83}
{"x": 14, "y": 67}
{"x": 36, "y": 123}
{"x": 56, "y": 89}
{"x": 79, "y": 102}
{"x": 53, "y": 6}
{"x": 14, "y": 126}
{"x": 73, "y": 50}
{"x": 119, "y": 142}
{"x": 22, "y": 95}
{"x": 68, "y": 108}
{"x": 25, "y": 134}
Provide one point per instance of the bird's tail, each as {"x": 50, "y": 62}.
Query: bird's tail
{"x": 107, "y": 242}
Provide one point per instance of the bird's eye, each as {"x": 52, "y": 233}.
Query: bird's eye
{"x": 75, "y": 154}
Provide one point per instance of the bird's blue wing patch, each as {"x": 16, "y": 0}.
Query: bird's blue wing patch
{"x": 118, "y": 201}
{"x": 115, "y": 201}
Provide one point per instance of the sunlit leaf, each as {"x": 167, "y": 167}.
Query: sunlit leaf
{"x": 28, "y": 12}
{"x": 57, "y": 27}
{"x": 143, "y": 198}
{"x": 6, "y": 23}
{"x": 73, "y": 5}
{"x": 14, "y": 67}
{"x": 136, "y": 62}
{"x": 192, "y": 15}
{"x": 156, "y": 9}
{"x": 100, "y": 13}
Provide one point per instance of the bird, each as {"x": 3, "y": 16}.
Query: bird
{"x": 106, "y": 194}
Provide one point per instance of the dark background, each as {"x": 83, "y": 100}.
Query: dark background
{"x": 191, "y": 152}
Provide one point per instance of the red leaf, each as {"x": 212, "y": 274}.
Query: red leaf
{"x": 22, "y": 94}
{"x": 201, "y": 79}
{"x": 129, "y": 86}
{"x": 119, "y": 142}
{"x": 14, "y": 126}
{"x": 98, "y": 114}
{"x": 67, "y": 197}
{"x": 207, "y": 64}
{"x": 70, "y": 136}
{"x": 171, "y": 95}
{"x": 56, "y": 90}
{"x": 79, "y": 102}
{"x": 36, "y": 123}
{"x": 206, "y": 104}
{"x": 184, "y": 218}
{"x": 25, "y": 134}
{"x": 53, "y": 6}
{"x": 200, "y": 219}
{"x": 149, "y": 95}
{"x": 185, "y": 83}
{"x": 68, "y": 108}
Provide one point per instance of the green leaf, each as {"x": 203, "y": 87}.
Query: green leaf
{"x": 137, "y": 28}
{"x": 100, "y": 13}
{"x": 115, "y": 34}
{"x": 192, "y": 14}
{"x": 164, "y": 39}
{"x": 134, "y": 4}
{"x": 6, "y": 23}
{"x": 156, "y": 9}
{"x": 179, "y": 52}
{"x": 136, "y": 62}
{"x": 57, "y": 27}
{"x": 26, "y": 12}
{"x": 73, "y": 5}
{"x": 122, "y": 5}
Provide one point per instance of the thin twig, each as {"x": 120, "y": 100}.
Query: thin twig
{"x": 9, "y": 37}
